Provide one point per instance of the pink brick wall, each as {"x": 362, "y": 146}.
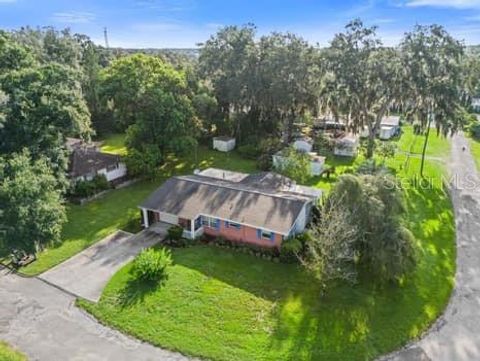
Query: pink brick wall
{"x": 244, "y": 234}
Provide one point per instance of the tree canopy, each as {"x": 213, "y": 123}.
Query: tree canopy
{"x": 32, "y": 212}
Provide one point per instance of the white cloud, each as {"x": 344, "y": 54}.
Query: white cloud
{"x": 73, "y": 17}
{"x": 458, "y": 4}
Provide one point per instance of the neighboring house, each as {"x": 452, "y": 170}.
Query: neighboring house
{"x": 86, "y": 162}
{"x": 263, "y": 208}
{"x": 389, "y": 127}
{"x": 223, "y": 143}
{"x": 347, "y": 145}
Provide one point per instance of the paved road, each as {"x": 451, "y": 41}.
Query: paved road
{"x": 456, "y": 335}
{"x": 87, "y": 273}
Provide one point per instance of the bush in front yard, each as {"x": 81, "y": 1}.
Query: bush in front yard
{"x": 175, "y": 237}
{"x": 291, "y": 249}
{"x": 151, "y": 265}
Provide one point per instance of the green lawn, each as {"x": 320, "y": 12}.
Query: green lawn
{"x": 438, "y": 146}
{"x": 222, "y": 305}
{"x": 475, "y": 149}
{"x": 228, "y": 306}
{"x": 114, "y": 144}
{"x": 90, "y": 223}
{"x": 9, "y": 354}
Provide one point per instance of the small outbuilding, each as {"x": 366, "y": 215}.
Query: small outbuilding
{"x": 224, "y": 143}
{"x": 347, "y": 145}
{"x": 389, "y": 127}
{"x": 303, "y": 145}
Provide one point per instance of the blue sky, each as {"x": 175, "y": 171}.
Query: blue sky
{"x": 184, "y": 23}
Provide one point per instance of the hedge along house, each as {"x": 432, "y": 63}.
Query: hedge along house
{"x": 262, "y": 208}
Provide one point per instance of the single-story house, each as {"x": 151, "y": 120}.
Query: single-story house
{"x": 86, "y": 162}
{"x": 389, "y": 127}
{"x": 317, "y": 162}
{"x": 347, "y": 145}
{"x": 263, "y": 208}
{"x": 224, "y": 143}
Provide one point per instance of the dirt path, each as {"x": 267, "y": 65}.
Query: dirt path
{"x": 456, "y": 335}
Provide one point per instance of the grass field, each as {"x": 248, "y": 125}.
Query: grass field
{"x": 228, "y": 306}
{"x": 114, "y": 144}
{"x": 437, "y": 146}
{"x": 9, "y": 354}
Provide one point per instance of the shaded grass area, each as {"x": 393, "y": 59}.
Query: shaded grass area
{"x": 7, "y": 353}
{"x": 89, "y": 223}
{"x": 222, "y": 305}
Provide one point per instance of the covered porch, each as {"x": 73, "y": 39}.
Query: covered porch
{"x": 155, "y": 220}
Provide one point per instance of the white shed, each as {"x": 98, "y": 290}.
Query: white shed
{"x": 303, "y": 145}
{"x": 386, "y": 132}
{"x": 347, "y": 145}
{"x": 223, "y": 143}
{"x": 389, "y": 126}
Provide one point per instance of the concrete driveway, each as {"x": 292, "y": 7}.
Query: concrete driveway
{"x": 86, "y": 274}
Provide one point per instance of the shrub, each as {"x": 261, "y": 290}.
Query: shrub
{"x": 291, "y": 248}
{"x": 175, "y": 237}
{"x": 324, "y": 144}
{"x": 175, "y": 233}
{"x": 144, "y": 162}
{"x": 474, "y": 130}
{"x": 84, "y": 189}
{"x": 151, "y": 265}
{"x": 101, "y": 183}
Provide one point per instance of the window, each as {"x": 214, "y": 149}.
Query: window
{"x": 211, "y": 222}
{"x": 198, "y": 223}
{"x": 232, "y": 225}
{"x": 112, "y": 167}
{"x": 263, "y": 234}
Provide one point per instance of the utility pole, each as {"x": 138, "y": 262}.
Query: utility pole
{"x": 105, "y": 35}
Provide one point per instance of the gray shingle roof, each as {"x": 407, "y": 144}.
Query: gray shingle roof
{"x": 189, "y": 196}
{"x": 84, "y": 161}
